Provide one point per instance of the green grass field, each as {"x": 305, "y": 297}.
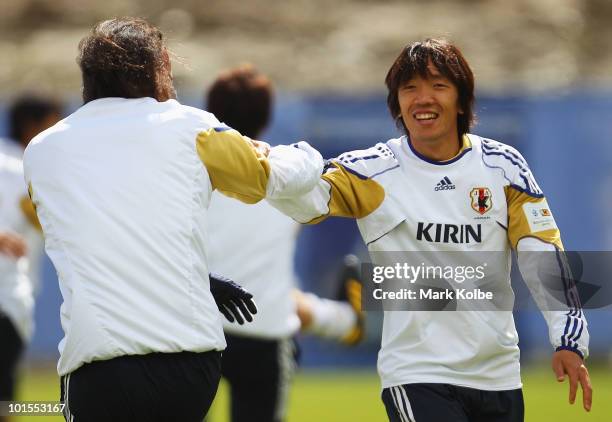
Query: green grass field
{"x": 355, "y": 397}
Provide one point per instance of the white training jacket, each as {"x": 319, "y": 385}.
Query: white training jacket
{"x": 485, "y": 199}
{"x": 121, "y": 189}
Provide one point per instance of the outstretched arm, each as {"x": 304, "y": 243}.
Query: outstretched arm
{"x": 347, "y": 188}
{"x": 249, "y": 171}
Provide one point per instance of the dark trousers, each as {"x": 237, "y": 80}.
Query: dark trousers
{"x": 11, "y": 348}
{"x": 446, "y": 403}
{"x": 259, "y": 373}
{"x": 154, "y": 387}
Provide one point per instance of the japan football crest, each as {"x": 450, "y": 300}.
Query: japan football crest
{"x": 481, "y": 200}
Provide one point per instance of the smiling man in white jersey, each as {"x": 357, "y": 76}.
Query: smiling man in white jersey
{"x": 122, "y": 188}
{"x": 439, "y": 188}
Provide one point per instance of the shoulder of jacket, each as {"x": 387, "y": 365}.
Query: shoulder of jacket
{"x": 368, "y": 163}
{"x": 510, "y": 161}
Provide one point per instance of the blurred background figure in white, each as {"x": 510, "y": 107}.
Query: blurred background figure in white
{"x": 258, "y": 253}
{"x": 20, "y": 239}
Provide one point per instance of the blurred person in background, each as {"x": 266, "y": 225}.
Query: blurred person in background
{"x": 121, "y": 188}
{"x": 405, "y": 193}
{"x": 18, "y": 223}
{"x": 28, "y": 115}
{"x": 20, "y": 239}
{"x": 260, "y": 359}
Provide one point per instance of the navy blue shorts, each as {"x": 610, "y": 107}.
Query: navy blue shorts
{"x": 445, "y": 402}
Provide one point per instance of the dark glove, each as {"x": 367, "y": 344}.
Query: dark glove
{"x": 233, "y": 301}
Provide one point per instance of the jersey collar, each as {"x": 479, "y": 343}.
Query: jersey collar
{"x": 465, "y": 148}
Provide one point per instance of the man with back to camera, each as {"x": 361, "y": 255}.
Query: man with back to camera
{"x": 442, "y": 366}
{"x": 121, "y": 188}
{"x": 259, "y": 361}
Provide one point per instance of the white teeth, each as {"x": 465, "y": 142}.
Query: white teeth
{"x": 425, "y": 116}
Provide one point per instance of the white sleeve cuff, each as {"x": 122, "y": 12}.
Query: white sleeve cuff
{"x": 294, "y": 170}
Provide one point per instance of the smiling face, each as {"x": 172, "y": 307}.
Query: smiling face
{"x": 429, "y": 108}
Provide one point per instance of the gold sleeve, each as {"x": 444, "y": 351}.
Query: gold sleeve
{"x": 350, "y": 195}
{"x": 29, "y": 210}
{"x": 530, "y": 216}
{"x": 235, "y": 167}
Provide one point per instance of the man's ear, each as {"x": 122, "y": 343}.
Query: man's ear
{"x": 165, "y": 88}
{"x": 166, "y": 59}
{"x": 459, "y": 108}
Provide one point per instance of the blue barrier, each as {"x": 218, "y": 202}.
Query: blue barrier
{"x": 566, "y": 139}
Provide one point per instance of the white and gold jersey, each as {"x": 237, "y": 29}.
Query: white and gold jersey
{"x": 122, "y": 188}
{"x": 483, "y": 199}
{"x": 16, "y": 216}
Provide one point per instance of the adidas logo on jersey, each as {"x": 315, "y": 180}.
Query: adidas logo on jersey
{"x": 444, "y": 184}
